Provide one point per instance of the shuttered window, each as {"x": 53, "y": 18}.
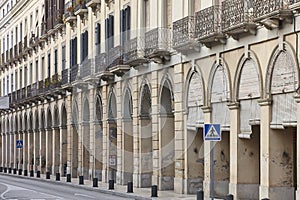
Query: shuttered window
{"x": 147, "y": 13}
{"x": 63, "y": 57}
{"x": 73, "y": 52}
{"x": 98, "y": 38}
{"x": 109, "y": 32}
{"x": 125, "y": 25}
{"x": 84, "y": 46}
{"x": 55, "y": 61}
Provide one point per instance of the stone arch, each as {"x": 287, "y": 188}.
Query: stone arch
{"x": 127, "y": 104}
{"x": 85, "y": 110}
{"x": 75, "y": 112}
{"x": 20, "y": 122}
{"x": 64, "y": 116}
{"x": 166, "y": 97}
{"x": 56, "y": 117}
{"x": 30, "y": 122}
{"x": 25, "y": 122}
{"x": 145, "y": 100}
{"x": 36, "y": 120}
{"x": 49, "y": 118}
{"x": 16, "y": 123}
{"x": 112, "y": 106}
{"x": 99, "y": 109}
{"x": 42, "y": 124}
{"x": 287, "y": 82}
{"x": 194, "y": 96}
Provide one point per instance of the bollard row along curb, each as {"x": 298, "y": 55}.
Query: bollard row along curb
{"x": 95, "y": 189}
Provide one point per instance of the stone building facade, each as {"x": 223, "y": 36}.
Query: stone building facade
{"x": 121, "y": 89}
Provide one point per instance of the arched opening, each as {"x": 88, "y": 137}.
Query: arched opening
{"x": 99, "y": 139}
{"x": 7, "y": 141}
{"x": 36, "y": 142}
{"x": 56, "y": 142}
{"x": 248, "y": 144}
{"x": 74, "y": 141}
{"x": 64, "y": 142}
{"x": 112, "y": 124}
{"x": 146, "y": 156}
{"x": 194, "y": 138}
{"x": 49, "y": 142}
{"x": 167, "y": 143}
{"x": 86, "y": 139}
{"x": 31, "y": 142}
{"x": 43, "y": 143}
{"x": 25, "y": 143}
{"x": 127, "y": 139}
{"x": 220, "y": 94}
{"x": 20, "y": 150}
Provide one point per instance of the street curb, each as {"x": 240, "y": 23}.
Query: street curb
{"x": 95, "y": 189}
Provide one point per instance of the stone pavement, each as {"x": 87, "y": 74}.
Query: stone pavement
{"x": 119, "y": 190}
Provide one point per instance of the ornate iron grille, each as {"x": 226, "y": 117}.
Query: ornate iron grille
{"x": 65, "y": 76}
{"x": 80, "y": 5}
{"x": 55, "y": 81}
{"x": 100, "y": 62}
{"x": 29, "y": 91}
{"x": 19, "y": 96}
{"x": 265, "y": 7}
{"x": 58, "y": 17}
{"x": 235, "y": 12}
{"x": 85, "y": 68}
{"x": 13, "y": 97}
{"x": 23, "y": 92}
{"x": 115, "y": 56}
{"x": 134, "y": 49}
{"x": 208, "y": 21}
{"x": 47, "y": 84}
{"x": 158, "y": 39}
{"x": 183, "y": 30}
{"x": 41, "y": 87}
{"x": 73, "y": 73}
{"x": 34, "y": 89}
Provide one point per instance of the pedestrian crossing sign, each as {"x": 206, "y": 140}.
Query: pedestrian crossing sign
{"x": 19, "y": 144}
{"x": 212, "y": 132}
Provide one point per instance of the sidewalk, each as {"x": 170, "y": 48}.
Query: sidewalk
{"x": 120, "y": 190}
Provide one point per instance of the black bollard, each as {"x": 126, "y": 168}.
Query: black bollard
{"x": 81, "y": 181}
{"x": 129, "y": 187}
{"x": 1, "y": 169}
{"x": 57, "y": 178}
{"x": 68, "y": 178}
{"x": 200, "y": 195}
{"x": 25, "y": 172}
{"x": 47, "y": 175}
{"x": 265, "y": 199}
{"x": 5, "y": 170}
{"x": 20, "y": 171}
{"x": 38, "y": 174}
{"x": 95, "y": 182}
{"x": 229, "y": 197}
{"x": 9, "y": 170}
{"x": 154, "y": 191}
{"x": 111, "y": 185}
{"x": 31, "y": 173}
{"x": 14, "y": 171}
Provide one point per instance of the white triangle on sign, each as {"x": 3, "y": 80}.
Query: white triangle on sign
{"x": 212, "y": 132}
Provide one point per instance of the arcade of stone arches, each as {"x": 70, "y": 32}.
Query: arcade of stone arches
{"x": 148, "y": 129}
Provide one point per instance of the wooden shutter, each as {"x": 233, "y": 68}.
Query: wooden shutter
{"x": 75, "y": 50}
{"x": 82, "y": 46}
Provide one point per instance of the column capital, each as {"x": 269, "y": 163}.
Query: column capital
{"x": 265, "y": 102}
{"x": 233, "y": 105}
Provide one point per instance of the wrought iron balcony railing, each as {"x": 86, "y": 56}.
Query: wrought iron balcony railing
{"x": 55, "y": 81}
{"x": 184, "y": 38}
{"x": 47, "y": 84}
{"x": 92, "y": 3}
{"x": 115, "y": 56}
{"x": 58, "y": 19}
{"x": 237, "y": 17}
{"x": 41, "y": 87}
{"x": 7, "y": 56}
{"x": 11, "y": 54}
{"x": 208, "y": 25}
{"x": 23, "y": 93}
{"x": 73, "y": 73}
{"x": 29, "y": 92}
{"x": 2, "y": 58}
{"x": 100, "y": 63}
{"x": 16, "y": 52}
{"x": 271, "y": 12}
{"x": 34, "y": 90}
{"x": 80, "y": 7}
{"x": 19, "y": 95}
{"x": 85, "y": 68}
{"x": 157, "y": 41}
{"x": 65, "y": 76}
{"x": 135, "y": 51}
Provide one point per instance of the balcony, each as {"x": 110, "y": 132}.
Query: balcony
{"x": 16, "y": 52}
{"x": 208, "y": 26}
{"x": 80, "y": 8}
{"x": 135, "y": 52}
{"x": 100, "y": 62}
{"x": 33, "y": 42}
{"x": 115, "y": 61}
{"x": 58, "y": 19}
{"x": 23, "y": 93}
{"x": 94, "y": 4}
{"x": 184, "y": 39}
{"x": 41, "y": 87}
{"x": 44, "y": 36}
{"x": 85, "y": 68}
{"x": 272, "y": 13}
{"x": 6, "y": 56}
{"x": 29, "y": 92}
{"x": 158, "y": 45}
{"x": 11, "y": 55}
{"x": 2, "y": 59}
{"x": 69, "y": 15}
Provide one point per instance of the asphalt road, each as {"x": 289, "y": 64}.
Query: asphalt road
{"x": 14, "y": 188}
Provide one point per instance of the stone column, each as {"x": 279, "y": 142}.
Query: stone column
{"x": 265, "y": 116}
{"x": 30, "y": 150}
{"x": 69, "y": 131}
{"x": 2, "y": 150}
{"x": 36, "y": 154}
{"x": 5, "y": 149}
{"x": 25, "y": 150}
{"x": 80, "y": 130}
{"x": 120, "y": 133}
{"x": 42, "y": 151}
{"x": 15, "y": 149}
{"x": 56, "y": 150}
{"x": 179, "y": 130}
{"x": 297, "y": 98}
{"x": 207, "y": 147}
{"x": 49, "y": 151}
{"x": 155, "y": 128}
{"x": 92, "y": 133}
{"x": 63, "y": 150}
{"x": 105, "y": 167}
{"x": 234, "y": 131}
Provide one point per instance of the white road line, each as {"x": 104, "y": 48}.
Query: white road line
{"x": 83, "y": 195}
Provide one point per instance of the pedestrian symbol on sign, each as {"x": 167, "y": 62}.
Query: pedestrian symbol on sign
{"x": 212, "y": 132}
{"x": 19, "y": 144}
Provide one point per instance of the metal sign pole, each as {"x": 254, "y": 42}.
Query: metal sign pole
{"x": 212, "y": 174}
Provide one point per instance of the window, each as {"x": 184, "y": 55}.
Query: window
{"x": 109, "y": 32}
{"x": 42, "y": 67}
{"x": 30, "y": 73}
{"x": 125, "y": 25}
{"x": 21, "y": 79}
{"x": 3, "y": 87}
{"x": 63, "y": 57}
{"x": 16, "y": 35}
{"x": 49, "y": 65}
{"x": 36, "y": 70}
{"x": 21, "y": 27}
{"x": 73, "y": 52}
{"x": 98, "y": 38}
{"x": 7, "y": 85}
{"x": 147, "y": 13}
{"x": 16, "y": 78}
{"x": 55, "y": 61}
{"x": 25, "y": 75}
{"x": 12, "y": 82}
{"x": 84, "y": 46}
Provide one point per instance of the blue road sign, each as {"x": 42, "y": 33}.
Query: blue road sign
{"x": 212, "y": 132}
{"x": 19, "y": 144}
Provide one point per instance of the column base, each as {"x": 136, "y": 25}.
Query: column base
{"x": 166, "y": 183}
{"x": 281, "y": 193}
{"x": 297, "y": 193}
{"x": 192, "y": 185}
{"x": 104, "y": 176}
{"x": 142, "y": 180}
{"x": 179, "y": 185}
{"x": 244, "y": 191}
{"x": 263, "y": 192}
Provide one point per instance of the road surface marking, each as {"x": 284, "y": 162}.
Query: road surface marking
{"x": 83, "y": 195}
